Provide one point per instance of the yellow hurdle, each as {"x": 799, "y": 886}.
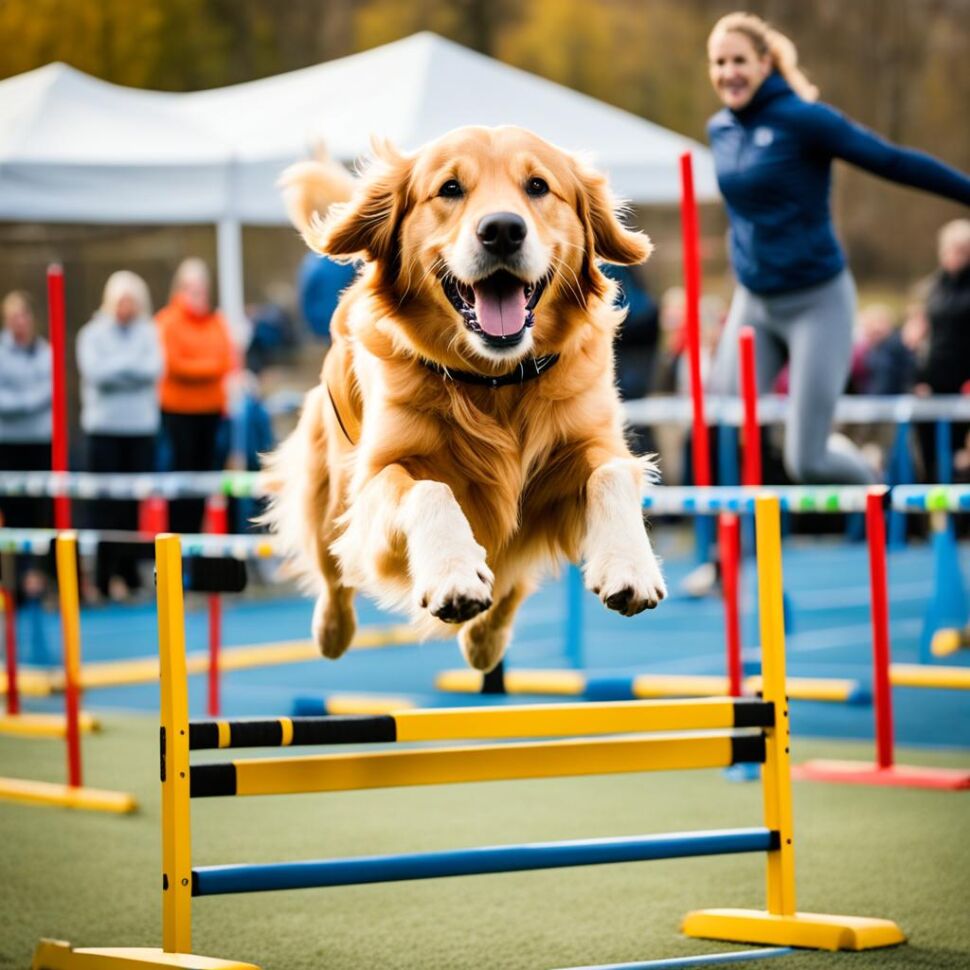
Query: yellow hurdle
{"x": 778, "y": 924}
{"x": 781, "y": 924}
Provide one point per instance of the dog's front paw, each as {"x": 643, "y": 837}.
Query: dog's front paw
{"x": 625, "y": 586}
{"x": 462, "y": 592}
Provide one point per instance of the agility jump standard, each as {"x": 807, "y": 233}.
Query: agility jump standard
{"x": 73, "y": 794}
{"x": 696, "y": 733}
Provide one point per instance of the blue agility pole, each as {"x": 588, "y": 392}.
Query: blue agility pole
{"x": 704, "y": 960}
{"x": 217, "y": 880}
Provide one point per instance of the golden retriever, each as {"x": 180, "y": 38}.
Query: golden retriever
{"x": 466, "y": 435}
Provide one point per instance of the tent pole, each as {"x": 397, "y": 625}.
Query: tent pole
{"x": 229, "y": 256}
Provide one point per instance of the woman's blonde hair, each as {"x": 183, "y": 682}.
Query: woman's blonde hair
{"x": 766, "y": 40}
{"x": 125, "y": 283}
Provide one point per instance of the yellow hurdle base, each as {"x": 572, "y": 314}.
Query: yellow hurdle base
{"x": 45, "y": 725}
{"x": 58, "y": 955}
{"x": 810, "y": 930}
{"x": 47, "y": 793}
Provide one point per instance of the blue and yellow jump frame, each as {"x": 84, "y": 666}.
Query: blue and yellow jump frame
{"x": 588, "y": 739}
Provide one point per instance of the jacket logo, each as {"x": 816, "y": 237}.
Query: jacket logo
{"x": 763, "y": 137}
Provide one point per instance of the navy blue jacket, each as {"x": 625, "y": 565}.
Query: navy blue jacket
{"x": 774, "y": 169}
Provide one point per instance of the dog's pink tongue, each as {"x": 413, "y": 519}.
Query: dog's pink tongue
{"x": 500, "y": 312}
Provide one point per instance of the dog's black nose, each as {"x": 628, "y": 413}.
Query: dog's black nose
{"x": 501, "y": 233}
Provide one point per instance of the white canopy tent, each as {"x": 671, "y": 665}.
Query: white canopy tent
{"x": 75, "y": 149}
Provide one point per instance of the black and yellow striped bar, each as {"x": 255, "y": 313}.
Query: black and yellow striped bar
{"x": 503, "y": 762}
{"x": 485, "y": 723}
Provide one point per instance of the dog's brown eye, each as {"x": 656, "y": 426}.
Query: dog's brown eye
{"x": 536, "y": 187}
{"x": 451, "y": 190}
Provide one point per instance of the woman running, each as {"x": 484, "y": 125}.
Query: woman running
{"x": 773, "y": 146}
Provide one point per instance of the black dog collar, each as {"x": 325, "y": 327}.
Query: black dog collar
{"x": 526, "y": 371}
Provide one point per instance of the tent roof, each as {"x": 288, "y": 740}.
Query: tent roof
{"x": 76, "y": 149}
{"x": 416, "y": 89}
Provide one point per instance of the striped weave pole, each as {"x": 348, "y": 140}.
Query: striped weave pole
{"x": 243, "y": 547}
{"x": 168, "y": 485}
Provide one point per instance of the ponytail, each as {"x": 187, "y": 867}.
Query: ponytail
{"x": 767, "y": 40}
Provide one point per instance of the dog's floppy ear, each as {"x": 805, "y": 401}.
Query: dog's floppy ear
{"x": 368, "y": 223}
{"x": 606, "y": 236}
{"x": 311, "y": 187}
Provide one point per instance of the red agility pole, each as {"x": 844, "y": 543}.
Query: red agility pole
{"x": 884, "y": 771}
{"x": 10, "y": 642}
{"x": 730, "y": 550}
{"x": 56, "y": 325}
{"x": 751, "y": 448}
{"x": 217, "y": 521}
{"x": 879, "y": 609}
{"x": 692, "y": 287}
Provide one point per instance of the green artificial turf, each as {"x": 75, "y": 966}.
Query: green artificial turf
{"x": 94, "y": 879}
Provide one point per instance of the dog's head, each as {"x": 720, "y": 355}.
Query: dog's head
{"x": 486, "y": 233}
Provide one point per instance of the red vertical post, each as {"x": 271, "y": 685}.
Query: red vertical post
{"x": 59, "y": 449}
{"x": 730, "y": 552}
{"x": 10, "y": 642}
{"x": 153, "y": 515}
{"x": 751, "y": 448}
{"x": 217, "y": 522}
{"x": 692, "y": 288}
{"x": 879, "y": 605}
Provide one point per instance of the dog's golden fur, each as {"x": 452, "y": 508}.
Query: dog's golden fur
{"x": 447, "y": 497}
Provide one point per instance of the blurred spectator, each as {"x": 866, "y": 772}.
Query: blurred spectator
{"x": 635, "y": 346}
{"x": 25, "y": 417}
{"x": 198, "y": 356}
{"x": 882, "y": 363}
{"x": 320, "y": 282}
{"x": 947, "y": 367}
{"x": 120, "y": 360}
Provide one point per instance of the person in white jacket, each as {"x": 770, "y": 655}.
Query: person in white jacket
{"x": 119, "y": 358}
{"x": 25, "y": 424}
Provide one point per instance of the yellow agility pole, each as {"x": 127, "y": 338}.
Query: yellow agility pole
{"x": 781, "y": 924}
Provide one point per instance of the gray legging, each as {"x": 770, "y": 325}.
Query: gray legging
{"x": 812, "y": 330}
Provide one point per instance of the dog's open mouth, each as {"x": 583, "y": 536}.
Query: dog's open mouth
{"x": 500, "y": 308}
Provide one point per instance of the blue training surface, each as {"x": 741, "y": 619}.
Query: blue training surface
{"x": 827, "y": 583}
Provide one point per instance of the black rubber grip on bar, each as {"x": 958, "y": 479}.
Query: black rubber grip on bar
{"x": 208, "y": 781}
{"x": 344, "y": 729}
{"x": 333, "y": 729}
{"x": 750, "y": 712}
{"x": 747, "y": 749}
{"x": 203, "y": 735}
{"x": 208, "y": 574}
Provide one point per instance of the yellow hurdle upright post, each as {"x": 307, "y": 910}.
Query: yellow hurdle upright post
{"x": 174, "y": 741}
{"x": 780, "y": 924}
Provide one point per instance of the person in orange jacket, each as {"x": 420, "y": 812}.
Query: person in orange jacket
{"x": 198, "y": 355}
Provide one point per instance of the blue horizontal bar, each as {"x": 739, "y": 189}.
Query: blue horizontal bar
{"x": 215, "y": 880}
{"x": 704, "y": 960}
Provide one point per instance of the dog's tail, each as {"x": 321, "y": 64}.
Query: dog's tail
{"x": 312, "y": 187}
{"x": 297, "y": 481}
